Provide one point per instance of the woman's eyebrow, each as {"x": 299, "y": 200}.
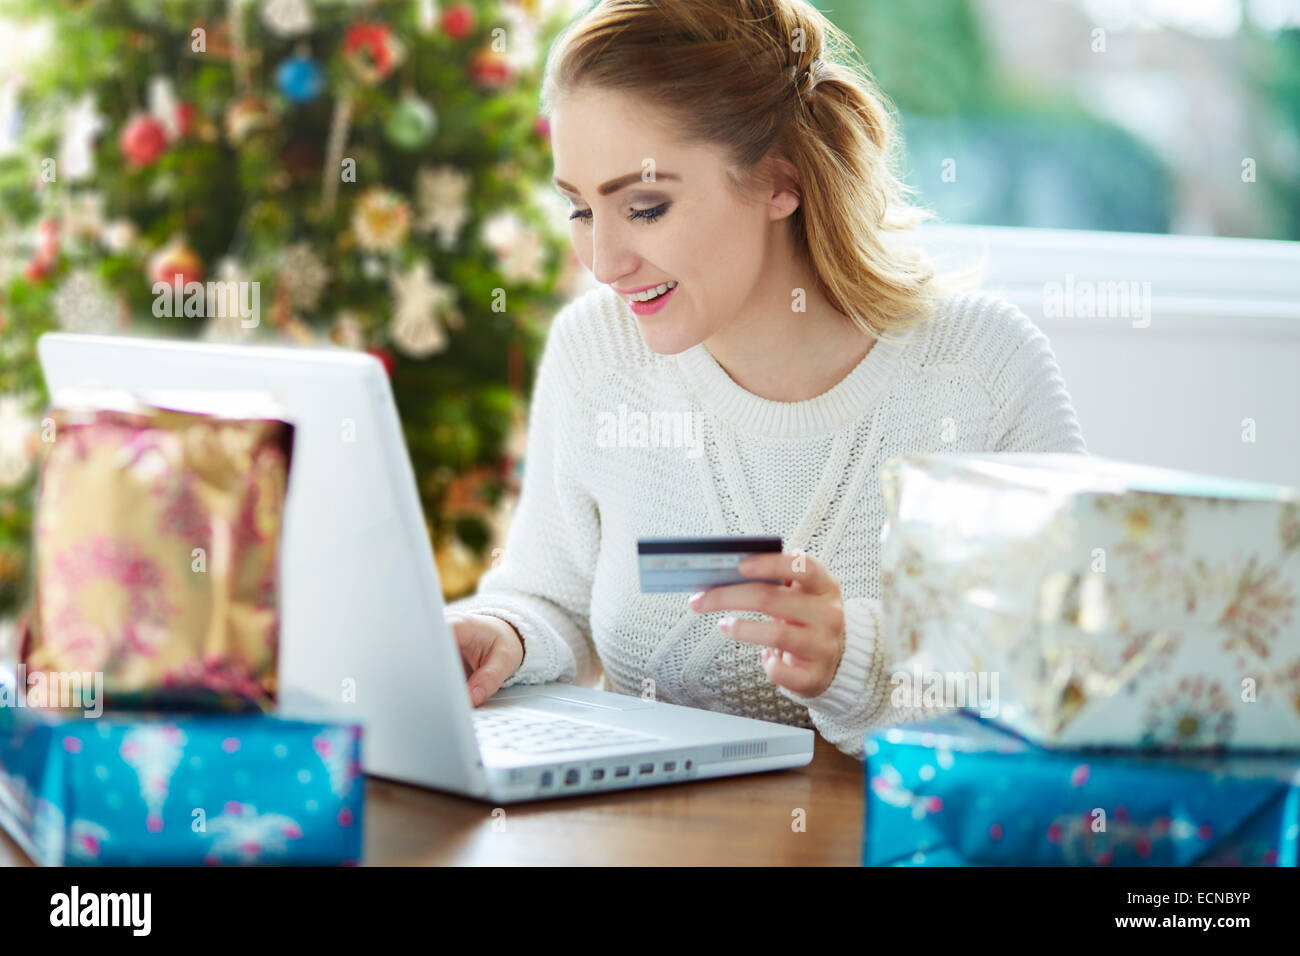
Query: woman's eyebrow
{"x": 614, "y": 185}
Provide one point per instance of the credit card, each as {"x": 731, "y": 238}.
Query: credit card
{"x": 695, "y": 564}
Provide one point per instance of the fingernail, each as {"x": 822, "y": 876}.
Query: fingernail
{"x": 726, "y": 624}
{"x": 695, "y": 598}
{"x": 767, "y": 654}
{"x": 744, "y": 566}
{"x": 476, "y": 695}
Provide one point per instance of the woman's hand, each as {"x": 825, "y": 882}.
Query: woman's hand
{"x": 490, "y": 650}
{"x": 806, "y": 638}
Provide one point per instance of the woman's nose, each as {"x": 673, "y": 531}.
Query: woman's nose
{"x": 611, "y": 258}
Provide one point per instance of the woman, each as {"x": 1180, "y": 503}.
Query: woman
{"x": 720, "y": 153}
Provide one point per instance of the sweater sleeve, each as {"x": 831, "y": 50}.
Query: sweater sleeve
{"x": 542, "y": 584}
{"x": 1034, "y": 411}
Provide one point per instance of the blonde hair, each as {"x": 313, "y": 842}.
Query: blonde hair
{"x": 760, "y": 78}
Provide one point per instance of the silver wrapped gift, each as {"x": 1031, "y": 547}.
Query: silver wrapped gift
{"x": 1105, "y": 603}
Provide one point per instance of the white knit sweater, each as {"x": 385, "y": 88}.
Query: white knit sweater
{"x": 978, "y": 376}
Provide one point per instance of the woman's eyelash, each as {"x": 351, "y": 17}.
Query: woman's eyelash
{"x": 646, "y": 215}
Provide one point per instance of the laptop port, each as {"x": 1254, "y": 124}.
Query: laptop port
{"x": 670, "y": 766}
{"x": 548, "y": 778}
{"x": 598, "y": 774}
{"x": 647, "y": 768}
{"x": 620, "y": 771}
{"x": 571, "y": 777}
{"x": 688, "y": 765}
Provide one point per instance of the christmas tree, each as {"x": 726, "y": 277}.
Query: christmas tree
{"x": 372, "y": 176}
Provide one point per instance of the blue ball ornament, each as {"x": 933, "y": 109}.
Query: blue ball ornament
{"x": 300, "y": 79}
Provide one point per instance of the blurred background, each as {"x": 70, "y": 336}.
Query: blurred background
{"x": 380, "y": 170}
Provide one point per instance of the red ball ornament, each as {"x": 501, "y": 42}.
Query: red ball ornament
{"x": 458, "y": 21}
{"x": 176, "y": 258}
{"x": 489, "y": 70}
{"x": 386, "y": 357}
{"x": 185, "y": 114}
{"x": 143, "y": 140}
{"x": 371, "y": 50}
{"x": 38, "y": 269}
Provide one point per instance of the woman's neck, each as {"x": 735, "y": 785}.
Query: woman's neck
{"x": 785, "y": 356}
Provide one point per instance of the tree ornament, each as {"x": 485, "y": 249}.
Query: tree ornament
{"x": 412, "y": 123}
{"x": 15, "y": 430}
{"x": 372, "y": 51}
{"x": 186, "y": 112}
{"x": 81, "y": 124}
{"x": 458, "y": 21}
{"x": 246, "y": 116}
{"x": 118, "y": 236}
{"x": 287, "y": 18}
{"x": 164, "y": 106}
{"x": 348, "y": 331}
{"x": 523, "y": 38}
{"x": 228, "y": 325}
{"x": 300, "y": 79}
{"x": 490, "y": 70}
{"x": 426, "y": 17}
{"x": 143, "y": 140}
{"x": 47, "y": 251}
{"x": 82, "y": 303}
{"x": 307, "y": 276}
{"x": 83, "y": 214}
{"x": 418, "y": 298}
{"x": 441, "y": 197}
{"x": 381, "y": 220}
{"x": 519, "y": 250}
{"x": 177, "y": 257}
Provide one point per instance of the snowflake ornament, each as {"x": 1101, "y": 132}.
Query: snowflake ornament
{"x": 440, "y": 198}
{"x": 307, "y": 275}
{"x": 82, "y": 303}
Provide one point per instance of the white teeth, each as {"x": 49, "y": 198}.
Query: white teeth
{"x": 649, "y": 294}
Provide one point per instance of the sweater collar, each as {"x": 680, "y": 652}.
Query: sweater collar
{"x": 847, "y": 400}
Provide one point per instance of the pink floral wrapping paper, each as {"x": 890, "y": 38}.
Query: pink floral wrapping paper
{"x": 157, "y": 545}
{"x": 1117, "y": 604}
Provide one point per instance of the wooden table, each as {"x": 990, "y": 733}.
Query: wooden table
{"x": 732, "y": 821}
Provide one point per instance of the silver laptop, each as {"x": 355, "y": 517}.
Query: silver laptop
{"x": 362, "y": 612}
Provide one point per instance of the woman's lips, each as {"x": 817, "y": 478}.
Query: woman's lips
{"x": 654, "y": 305}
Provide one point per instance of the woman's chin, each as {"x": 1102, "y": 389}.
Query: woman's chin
{"x": 662, "y": 338}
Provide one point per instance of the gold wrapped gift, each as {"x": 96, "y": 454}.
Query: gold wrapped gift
{"x": 157, "y": 545}
{"x": 1115, "y": 603}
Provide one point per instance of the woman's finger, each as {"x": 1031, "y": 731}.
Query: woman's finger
{"x": 789, "y": 674}
{"x": 774, "y": 600}
{"x": 804, "y": 568}
{"x": 781, "y": 635}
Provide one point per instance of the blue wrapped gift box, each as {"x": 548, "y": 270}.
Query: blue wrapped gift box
{"x": 959, "y": 791}
{"x": 132, "y": 788}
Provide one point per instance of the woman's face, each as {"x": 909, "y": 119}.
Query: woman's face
{"x": 686, "y": 225}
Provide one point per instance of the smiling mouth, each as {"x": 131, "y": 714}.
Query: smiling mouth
{"x": 649, "y": 295}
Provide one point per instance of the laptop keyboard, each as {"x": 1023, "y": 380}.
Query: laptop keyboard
{"x": 534, "y": 732}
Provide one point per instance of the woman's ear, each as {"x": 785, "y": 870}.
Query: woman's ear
{"x": 783, "y": 196}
